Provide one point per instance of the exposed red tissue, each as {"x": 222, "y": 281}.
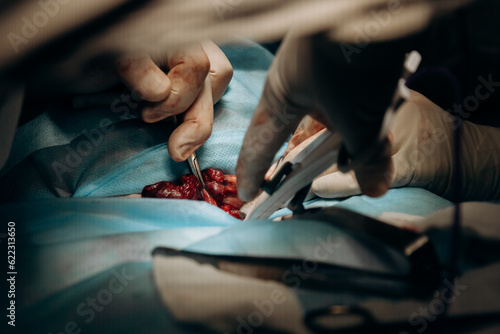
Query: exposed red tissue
{"x": 215, "y": 188}
{"x": 233, "y": 201}
{"x": 220, "y": 190}
{"x": 215, "y": 175}
{"x": 208, "y": 198}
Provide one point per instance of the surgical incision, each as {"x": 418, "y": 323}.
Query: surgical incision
{"x": 220, "y": 190}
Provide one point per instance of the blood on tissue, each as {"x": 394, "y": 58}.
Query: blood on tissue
{"x": 220, "y": 190}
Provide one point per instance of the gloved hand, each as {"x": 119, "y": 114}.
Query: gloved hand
{"x": 422, "y": 153}
{"x": 195, "y": 79}
{"x": 313, "y": 75}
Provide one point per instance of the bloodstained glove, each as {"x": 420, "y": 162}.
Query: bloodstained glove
{"x": 312, "y": 75}
{"x": 422, "y": 154}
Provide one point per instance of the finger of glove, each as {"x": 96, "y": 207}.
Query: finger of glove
{"x": 282, "y": 106}
{"x": 196, "y": 126}
{"x": 376, "y": 175}
{"x": 188, "y": 70}
{"x": 144, "y": 77}
{"x": 264, "y": 137}
{"x": 221, "y": 70}
{"x": 373, "y": 179}
{"x": 336, "y": 185}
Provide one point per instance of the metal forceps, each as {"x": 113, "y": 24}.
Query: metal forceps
{"x": 192, "y": 161}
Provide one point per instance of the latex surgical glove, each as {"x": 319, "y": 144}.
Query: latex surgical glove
{"x": 422, "y": 154}
{"x": 196, "y": 80}
{"x": 312, "y": 75}
{"x": 186, "y": 82}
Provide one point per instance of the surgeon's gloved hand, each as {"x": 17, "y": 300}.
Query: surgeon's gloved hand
{"x": 196, "y": 80}
{"x": 348, "y": 92}
{"x": 188, "y": 82}
{"x": 422, "y": 153}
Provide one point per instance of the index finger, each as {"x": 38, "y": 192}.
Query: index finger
{"x": 144, "y": 77}
{"x": 196, "y": 126}
{"x": 269, "y": 129}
